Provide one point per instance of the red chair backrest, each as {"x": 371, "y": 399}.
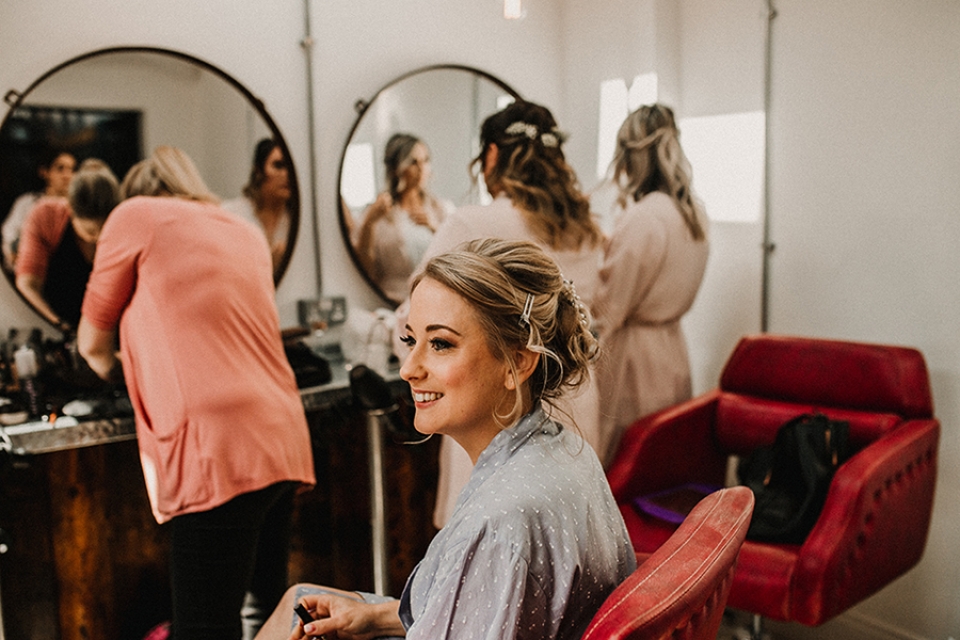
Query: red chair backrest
{"x": 681, "y": 590}
{"x": 865, "y": 377}
{"x": 769, "y": 379}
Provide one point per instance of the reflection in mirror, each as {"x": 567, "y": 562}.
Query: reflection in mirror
{"x": 266, "y": 197}
{"x": 117, "y": 105}
{"x": 406, "y": 165}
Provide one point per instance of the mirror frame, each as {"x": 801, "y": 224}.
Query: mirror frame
{"x": 361, "y": 106}
{"x": 14, "y": 99}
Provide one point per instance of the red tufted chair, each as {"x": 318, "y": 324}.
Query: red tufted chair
{"x": 681, "y": 589}
{"x": 874, "y": 525}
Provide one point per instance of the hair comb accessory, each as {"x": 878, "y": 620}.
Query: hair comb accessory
{"x": 522, "y": 128}
{"x": 527, "y": 308}
{"x": 551, "y": 139}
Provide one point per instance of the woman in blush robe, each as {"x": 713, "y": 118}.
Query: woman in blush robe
{"x": 653, "y": 266}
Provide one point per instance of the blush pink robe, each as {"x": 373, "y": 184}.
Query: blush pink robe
{"x": 651, "y": 273}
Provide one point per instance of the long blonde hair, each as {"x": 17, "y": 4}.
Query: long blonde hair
{"x": 649, "y": 158}
{"x": 168, "y": 171}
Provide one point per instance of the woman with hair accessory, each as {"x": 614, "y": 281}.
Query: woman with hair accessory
{"x": 266, "y": 197}
{"x": 653, "y": 266}
{"x": 220, "y": 425}
{"x": 396, "y": 229}
{"x": 536, "y": 197}
{"x": 536, "y": 542}
{"x": 58, "y": 243}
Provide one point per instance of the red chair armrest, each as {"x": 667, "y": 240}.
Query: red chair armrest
{"x": 669, "y": 448}
{"x": 682, "y": 590}
{"x": 874, "y": 524}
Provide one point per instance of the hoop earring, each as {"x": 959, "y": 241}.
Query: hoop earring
{"x": 420, "y": 441}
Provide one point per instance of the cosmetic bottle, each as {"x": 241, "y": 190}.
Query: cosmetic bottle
{"x": 27, "y": 368}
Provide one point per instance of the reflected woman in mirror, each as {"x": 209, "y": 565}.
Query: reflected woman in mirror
{"x": 394, "y": 232}
{"x": 536, "y": 543}
{"x": 188, "y": 288}
{"x": 266, "y": 197}
{"x": 55, "y": 170}
{"x": 654, "y": 264}
{"x": 58, "y": 242}
{"x": 537, "y": 198}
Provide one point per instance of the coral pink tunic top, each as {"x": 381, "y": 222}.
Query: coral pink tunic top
{"x": 217, "y": 408}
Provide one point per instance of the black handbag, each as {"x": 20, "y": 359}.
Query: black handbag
{"x": 790, "y": 478}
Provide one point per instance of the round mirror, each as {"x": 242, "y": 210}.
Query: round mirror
{"x": 406, "y": 165}
{"x": 117, "y": 105}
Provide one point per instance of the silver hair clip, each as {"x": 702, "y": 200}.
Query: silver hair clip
{"x": 527, "y": 308}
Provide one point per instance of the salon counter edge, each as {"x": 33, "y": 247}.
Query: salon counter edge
{"x": 40, "y": 437}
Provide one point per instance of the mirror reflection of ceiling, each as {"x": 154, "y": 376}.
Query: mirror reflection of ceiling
{"x": 444, "y": 107}
{"x": 174, "y": 99}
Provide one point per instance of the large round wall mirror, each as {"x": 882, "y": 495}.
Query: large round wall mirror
{"x": 406, "y": 165}
{"x": 117, "y": 105}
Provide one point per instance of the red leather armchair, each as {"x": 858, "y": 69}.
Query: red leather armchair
{"x": 681, "y": 590}
{"x": 874, "y": 525}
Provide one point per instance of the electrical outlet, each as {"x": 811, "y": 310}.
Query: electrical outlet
{"x": 322, "y": 313}
{"x": 338, "y": 310}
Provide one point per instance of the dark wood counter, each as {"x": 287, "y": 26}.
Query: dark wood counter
{"x": 88, "y": 561}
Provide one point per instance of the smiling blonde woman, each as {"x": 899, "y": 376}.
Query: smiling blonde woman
{"x": 535, "y": 543}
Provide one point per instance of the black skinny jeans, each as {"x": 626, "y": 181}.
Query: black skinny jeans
{"x": 220, "y": 555}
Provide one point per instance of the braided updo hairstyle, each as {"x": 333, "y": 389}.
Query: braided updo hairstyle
{"x": 497, "y": 278}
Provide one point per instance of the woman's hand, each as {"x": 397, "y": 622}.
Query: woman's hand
{"x": 380, "y": 207}
{"x": 364, "y": 242}
{"x": 345, "y": 617}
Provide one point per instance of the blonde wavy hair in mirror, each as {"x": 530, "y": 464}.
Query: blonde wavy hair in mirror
{"x": 168, "y": 171}
{"x": 649, "y": 158}
{"x": 522, "y": 302}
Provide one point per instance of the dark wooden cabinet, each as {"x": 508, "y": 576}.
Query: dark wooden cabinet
{"x": 88, "y": 561}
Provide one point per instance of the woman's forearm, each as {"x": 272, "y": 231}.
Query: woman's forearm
{"x": 98, "y": 348}
{"x": 31, "y": 288}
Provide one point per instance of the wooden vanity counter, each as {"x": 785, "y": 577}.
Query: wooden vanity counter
{"x": 88, "y": 561}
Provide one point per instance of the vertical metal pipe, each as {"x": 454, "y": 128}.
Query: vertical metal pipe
{"x": 4, "y": 547}
{"x": 307, "y": 45}
{"x": 768, "y": 245}
{"x": 378, "y": 524}
{"x": 756, "y": 627}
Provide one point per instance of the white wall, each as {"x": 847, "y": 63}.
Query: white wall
{"x": 864, "y": 159}
{"x": 865, "y": 204}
